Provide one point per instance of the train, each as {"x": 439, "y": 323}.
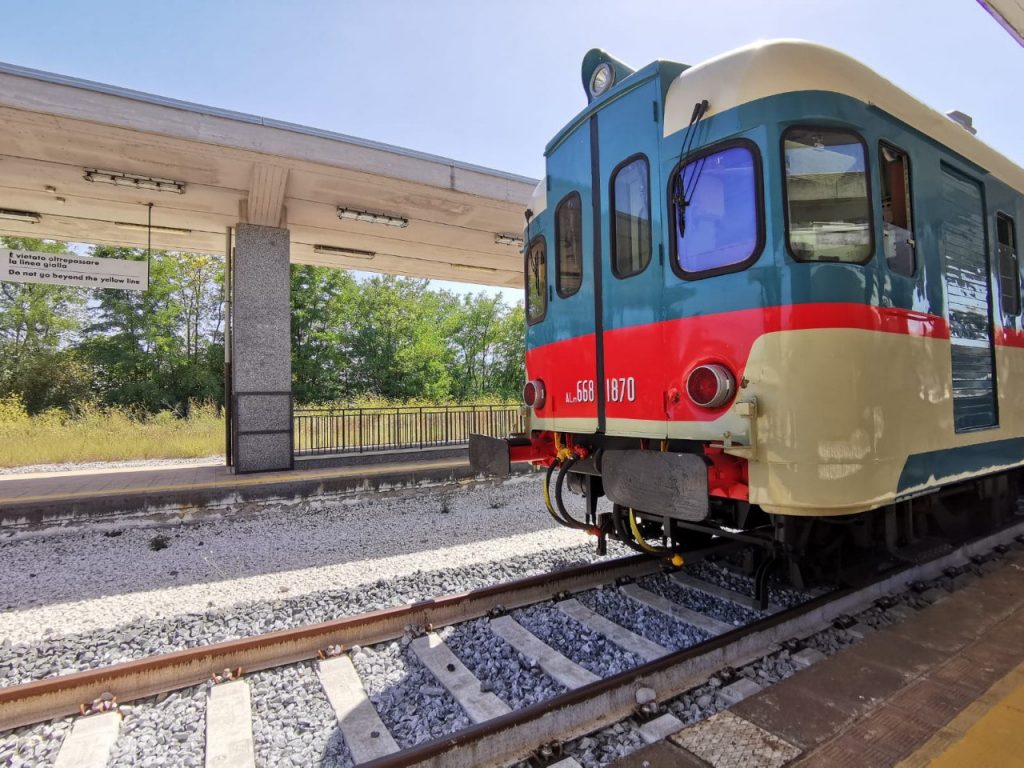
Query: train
{"x": 770, "y": 297}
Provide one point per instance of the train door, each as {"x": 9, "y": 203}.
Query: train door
{"x": 569, "y": 361}
{"x": 968, "y": 288}
{"x": 628, "y": 263}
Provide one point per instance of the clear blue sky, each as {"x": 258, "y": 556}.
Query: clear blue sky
{"x": 490, "y": 82}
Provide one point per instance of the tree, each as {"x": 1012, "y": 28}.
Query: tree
{"x": 323, "y": 301}
{"x": 38, "y": 325}
{"x": 398, "y": 347}
{"x": 151, "y": 348}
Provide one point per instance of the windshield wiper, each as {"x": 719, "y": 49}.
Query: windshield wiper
{"x": 682, "y": 193}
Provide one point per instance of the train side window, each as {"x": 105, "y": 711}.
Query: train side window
{"x": 897, "y": 216}
{"x": 569, "y": 245}
{"x": 828, "y": 211}
{"x": 536, "y": 281}
{"x": 1009, "y": 267}
{"x": 717, "y": 211}
{"x": 631, "y": 223}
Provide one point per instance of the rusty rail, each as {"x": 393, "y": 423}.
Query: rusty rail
{"x": 62, "y": 695}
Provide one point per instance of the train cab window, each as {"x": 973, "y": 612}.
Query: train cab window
{"x": 631, "y": 225}
{"x": 827, "y": 206}
{"x": 536, "y": 281}
{"x": 897, "y": 217}
{"x": 1009, "y": 266}
{"x": 716, "y": 211}
{"x": 569, "y": 239}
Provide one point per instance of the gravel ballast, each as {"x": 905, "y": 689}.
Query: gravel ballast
{"x": 33, "y": 745}
{"x": 723, "y": 576}
{"x": 654, "y": 625}
{"x": 410, "y": 701}
{"x": 512, "y": 677}
{"x": 575, "y": 641}
{"x": 293, "y": 722}
{"x": 72, "y": 581}
{"x": 165, "y": 731}
{"x": 62, "y": 654}
{"x": 727, "y": 611}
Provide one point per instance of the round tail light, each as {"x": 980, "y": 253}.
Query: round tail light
{"x": 710, "y": 386}
{"x": 533, "y": 394}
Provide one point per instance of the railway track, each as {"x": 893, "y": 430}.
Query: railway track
{"x": 624, "y": 673}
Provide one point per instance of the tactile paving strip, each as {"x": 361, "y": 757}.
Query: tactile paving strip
{"x": 725, "y": 740}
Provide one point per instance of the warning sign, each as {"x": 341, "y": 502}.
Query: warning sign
{"x": 72, "y": 270}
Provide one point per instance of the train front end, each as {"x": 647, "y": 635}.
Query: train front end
{"x": 621, "y": 405}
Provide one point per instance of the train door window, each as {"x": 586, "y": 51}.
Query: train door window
{"x": 569, "y": 240}
{"x": 536, "y": 281}
{"x": 897, "y": 217}
{"x": 828, "y": 210}
{"x": 717, "y": 211}
{"x": 631, "y": 225}
{"x": 1009, "y": 267}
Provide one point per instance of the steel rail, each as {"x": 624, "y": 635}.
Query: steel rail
{"x": 516, "y": 735}
{"x": 62, "y": 695}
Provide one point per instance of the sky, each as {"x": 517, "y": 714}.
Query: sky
{"x": 490, "y": 82}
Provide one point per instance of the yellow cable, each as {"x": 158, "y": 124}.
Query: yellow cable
{"x": 547, "y": 501}
{"x": 677, "y": 559}
{"x": 640, "y": 539}
{"x": 560, "y": 452}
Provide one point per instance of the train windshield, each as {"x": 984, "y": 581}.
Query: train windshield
{"x": 717, "y": 225}
{"x": 829, "y": 214}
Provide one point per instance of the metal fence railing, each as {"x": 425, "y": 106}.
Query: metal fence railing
{"x": 359, "y": 430}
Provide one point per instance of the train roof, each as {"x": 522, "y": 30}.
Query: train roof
{"x": 783, "y": 66}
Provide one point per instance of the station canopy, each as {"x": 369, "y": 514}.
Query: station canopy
{"x": 82, "y": 161}
{"x": 1009, "y": 13}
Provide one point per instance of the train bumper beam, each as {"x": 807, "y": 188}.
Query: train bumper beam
{"x": 656, "y": 482}
{"x": 489, "y": 456}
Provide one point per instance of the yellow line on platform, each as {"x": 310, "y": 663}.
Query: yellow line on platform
{"x": 234, "y": 481}
{"x": 987, "y": 734}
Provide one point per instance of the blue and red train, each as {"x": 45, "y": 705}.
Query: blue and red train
{"x": 768, "y": 290}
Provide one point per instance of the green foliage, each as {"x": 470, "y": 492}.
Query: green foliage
{"x": 387, "y": 338}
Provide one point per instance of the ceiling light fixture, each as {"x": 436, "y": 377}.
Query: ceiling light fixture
{"x": 119, "y": 179}
{"x": 154, "y": 228}
{"x": 507, "y": 238}
{"x": 474, "y": 268}
{"x": 369, "y": 217}
{"x": 28, "y": 216}
{"x": 348, "y": 253}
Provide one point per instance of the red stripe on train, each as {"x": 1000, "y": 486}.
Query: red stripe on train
{"x": 646, "y": 365}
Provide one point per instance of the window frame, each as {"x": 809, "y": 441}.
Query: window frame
{"x": 911, "y": 205}
{"x": 758, "y": 202}
{"x": 872, "y": 241}
{"x": 1016, "y": 260}
{"x": 526, "y": 280}
{"x": 558, "y": 241}
{"x": 613, "y": 241}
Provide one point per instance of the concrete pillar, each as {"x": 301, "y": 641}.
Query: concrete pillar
{"x": 261, "y": 362}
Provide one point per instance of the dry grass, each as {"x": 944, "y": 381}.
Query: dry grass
{"x": 115, "y": 434}
{"x": 109, "y": 434}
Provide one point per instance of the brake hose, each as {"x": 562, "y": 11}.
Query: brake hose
{"x": 569, "y": 519}
{"x": 547, "y": 491}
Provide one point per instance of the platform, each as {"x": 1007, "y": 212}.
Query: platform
{"x": 191, "y": 490}
{"x": 944, "y": 688}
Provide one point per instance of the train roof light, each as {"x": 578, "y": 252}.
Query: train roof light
{"x": 602, "y": 79}
{"x": 601, "y": 71}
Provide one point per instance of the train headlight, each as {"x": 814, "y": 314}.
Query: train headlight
{"x": 602, "y": 79}
{"x": 711, "y": 385}
{"x": 533, "y": 394}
